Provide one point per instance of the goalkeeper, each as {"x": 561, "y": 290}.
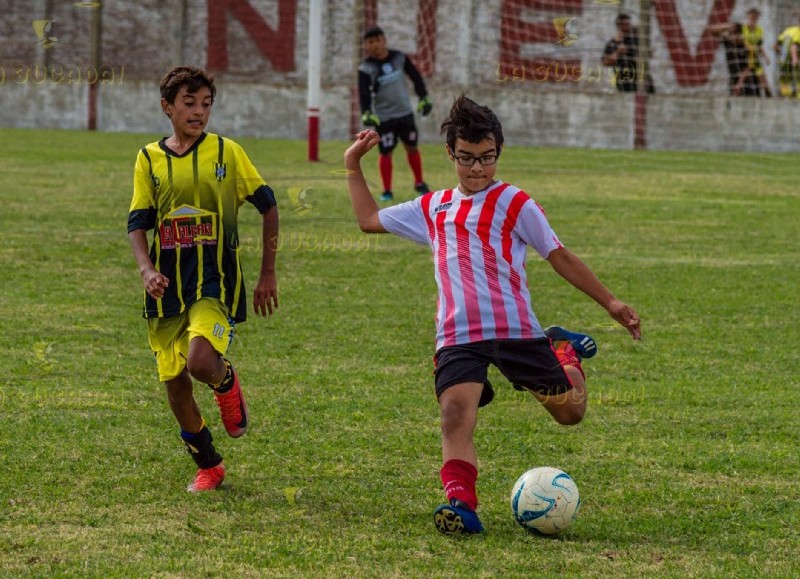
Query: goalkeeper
{"x": 386, "y": 106}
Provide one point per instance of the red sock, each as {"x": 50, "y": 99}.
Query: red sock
{"x": 459, "y": 478}
{"x": 415, "y": 161}
{"x": 385, "y": 167}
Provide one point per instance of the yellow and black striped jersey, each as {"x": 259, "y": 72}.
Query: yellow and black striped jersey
{"x": 191, "y": 202}
{"x": 792, "y": 34}
{"x": 753, "y": 38}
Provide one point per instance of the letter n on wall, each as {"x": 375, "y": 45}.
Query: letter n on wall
{"x": 277, "y": 45}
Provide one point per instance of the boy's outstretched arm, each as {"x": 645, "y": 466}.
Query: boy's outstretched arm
{"x": 571, "y": 268}
{"x": 364, "y": 205}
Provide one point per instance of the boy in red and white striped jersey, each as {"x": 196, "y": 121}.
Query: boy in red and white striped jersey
{"x": 478, "y": 233}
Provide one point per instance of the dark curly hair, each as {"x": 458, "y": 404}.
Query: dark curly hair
{"x": 471, "y": 122}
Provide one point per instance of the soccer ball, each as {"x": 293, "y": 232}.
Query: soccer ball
{"x": 545, "y": 500}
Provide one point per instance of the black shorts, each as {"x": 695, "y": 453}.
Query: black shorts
{"x": 529, "y": 364}
{"x": 390, "y": 131}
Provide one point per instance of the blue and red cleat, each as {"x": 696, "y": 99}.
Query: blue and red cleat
{"x": 583, "y": 344}
{"x": 457, "y": 518}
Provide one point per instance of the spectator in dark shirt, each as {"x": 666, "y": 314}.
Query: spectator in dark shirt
{"x": 622, "y": 52}
{"x": 741, "y": 76}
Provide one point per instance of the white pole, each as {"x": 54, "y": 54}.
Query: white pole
{"x": 314, "y": 73}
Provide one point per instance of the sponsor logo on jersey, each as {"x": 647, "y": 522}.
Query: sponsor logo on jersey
{"x": 389, "y": 75}
{"x": 443, "y": 207}
{"x": 188, "y": 226}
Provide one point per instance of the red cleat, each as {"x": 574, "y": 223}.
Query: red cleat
{"x": 233, "y": 408}
{"x": 567, "y": 355}
{"x": 207, "y": 479}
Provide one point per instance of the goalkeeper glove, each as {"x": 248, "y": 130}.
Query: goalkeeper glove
{"x": 370, "y": 119}
{"x": 424, "y": 106}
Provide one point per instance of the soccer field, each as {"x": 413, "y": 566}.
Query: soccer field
{"x": 687, "y": 460}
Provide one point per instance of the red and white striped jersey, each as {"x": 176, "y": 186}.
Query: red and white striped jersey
{"x": 479, "y": 246}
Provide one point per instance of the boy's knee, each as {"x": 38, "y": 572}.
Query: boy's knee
{"x": 455, "y": 415}
{"x": 570, "y": 416}
{"x": 200, "y": 368}
{"x": 451, "y": 411}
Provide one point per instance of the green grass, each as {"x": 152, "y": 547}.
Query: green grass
{"x": 687, "y": 460}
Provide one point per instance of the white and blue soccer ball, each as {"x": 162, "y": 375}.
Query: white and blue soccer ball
{"x": 545, "y": 500}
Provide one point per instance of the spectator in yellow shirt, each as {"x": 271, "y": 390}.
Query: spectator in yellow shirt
{"x": 753, "y": 36}
{"x": 788, "y": 49}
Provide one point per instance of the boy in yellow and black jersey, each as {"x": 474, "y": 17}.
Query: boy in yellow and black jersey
{"x": 753, "y": 35}
{"x": 787, "y": 48}
{"x": 188, "y": 189}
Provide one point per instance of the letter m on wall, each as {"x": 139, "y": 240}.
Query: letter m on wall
{"x": 277, "y": 45}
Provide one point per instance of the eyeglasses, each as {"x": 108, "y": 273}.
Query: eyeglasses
{"x": 469, "y": 160}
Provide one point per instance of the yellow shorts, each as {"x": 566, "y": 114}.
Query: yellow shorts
{"x": 169, "y": 337}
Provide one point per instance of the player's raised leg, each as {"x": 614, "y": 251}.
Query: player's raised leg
{"x": 207, "y": 365}
{"x": 569, "y": 407}
{"x": 211, "y": 332}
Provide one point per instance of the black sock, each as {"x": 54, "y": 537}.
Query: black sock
{"x": 199, "y": 446}
{"x": 227, "y": 381}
